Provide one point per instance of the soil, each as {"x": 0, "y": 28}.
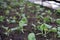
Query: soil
{"x": 23, "y": 36}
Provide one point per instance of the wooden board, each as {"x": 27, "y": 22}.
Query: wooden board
{"x": 49, "y": 4}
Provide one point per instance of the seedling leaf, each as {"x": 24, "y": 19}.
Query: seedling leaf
{"x": 31, "y": 36}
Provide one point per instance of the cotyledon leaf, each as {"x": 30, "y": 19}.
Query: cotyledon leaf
{"x": 31, "y": 36}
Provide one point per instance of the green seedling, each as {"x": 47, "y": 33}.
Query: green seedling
{"x": 7, "y": 30}
{"x": 1, "y": 18}
{"x": 58, "y": 11}
{"x": 58, "y": 32}
{"x": 58, "y": 28}
{"x": 11, "y": 20}
{"x": 47, "y": 19}
{"x": 53, "y": 29}
{"x": 49, "y": 11}
{"x": 31, "y": 36}
{"x": 58, "y": 21}
{"x": 22, "y": 23}
{"x": 34, "y": 26}
{"x": 7, "y": 12}
{"x": 44, "y": 28}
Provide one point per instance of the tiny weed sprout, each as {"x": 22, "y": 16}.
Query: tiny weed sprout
{"x": 22, "y": 23}
{"x": 1, "y": 18}
{"x": 31, "y": 36}
{"x": 58, "y": 21}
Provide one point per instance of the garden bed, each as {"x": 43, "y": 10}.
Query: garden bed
{"x": 28, "y": 21}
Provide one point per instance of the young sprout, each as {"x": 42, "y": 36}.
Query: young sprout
{"x": 58, "y": 21}
{"x": 49, "y": 11}
{"x": 7, "y": 32}
{"x": 1, "y": 18}
{"x": 7, "y": 12}
{"x": 58, "y": 32}
{"x": 11, "y": 20}
{"x": 34, "y": 26}
{"x": 31, "y": 36}
{"x": 58, "y": 11}
{"x": 44, "y": 28}
{"x": 54, "y": 29}
{"x": 22, "y": 23}
{"x": 47, "y": 19}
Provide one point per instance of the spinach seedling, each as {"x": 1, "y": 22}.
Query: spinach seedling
{"x": 58, "y": 32}
{"x": 7, "y": 30}
{"x": 58, "y": 11}
{"x": 47, "y": 19}
{"x": 44, "y": 28}
{"x": 11, "y": 20}
{"x": 31, "y": 36}
{"x": 1, "y": 18}
{"x": 54, "y": 29}
{"x": 49, "y": 11}
{"x": 22, "y": 23}
{"x": 58, "y": 21}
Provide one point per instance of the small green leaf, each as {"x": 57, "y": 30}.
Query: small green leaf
{"x": 58, "y": 33}
{"x": 31, "y": 36}
{"x": 22, "y": 22}
{"x": 58, "y": 11}
{"x": 47, "y": 19}
{"x": 48, "y": 26}
{"x": 1, "y": 18}
{"x": 13, "y": 29}
{"x": 58, "y": 28}
{"x": 58, "y": 21}
{"x": 54, "y": 29}
{"x": 42, "y": 27}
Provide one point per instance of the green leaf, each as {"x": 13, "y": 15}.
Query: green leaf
{"x": 58, "y": 28}
{"x": 47, "y": 19}
{"x": 13, "y": 29}
{"x": 6, "y": 28}
{"x": 22, "y": 22}
{"x": 48, "y": 26}
{"x": 54, "y": 29}
{"x": 1, "y": 18}
{"x": 58, "y": 11}
{"x": 58, "y": 21}
{"x": 49, "y": 11}
{"x": 31, "y": 36}
{"x": 58, "y": 33}
{"x": 43, "y": 27}
{"x": 7, "y": 12}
